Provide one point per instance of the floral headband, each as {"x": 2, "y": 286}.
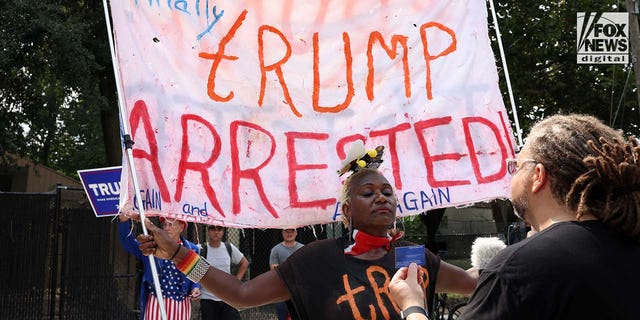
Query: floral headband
{"x": 358, "y": 157}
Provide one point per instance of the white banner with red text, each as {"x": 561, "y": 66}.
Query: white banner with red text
{"x": 242, "y": 111}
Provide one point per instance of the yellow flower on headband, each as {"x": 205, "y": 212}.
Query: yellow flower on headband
{"x": 358, "y": 157}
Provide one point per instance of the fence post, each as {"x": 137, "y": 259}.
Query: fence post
{"x": 53, "y": 269}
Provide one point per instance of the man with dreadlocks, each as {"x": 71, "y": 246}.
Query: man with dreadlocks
{"x": 577, "y": 182}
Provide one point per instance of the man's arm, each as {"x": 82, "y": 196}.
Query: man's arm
{"x": 242, "y": 268}
{"x": 127, "y": 238}
{"x": 456, "y": 280}
{"x": 273, "y": 259}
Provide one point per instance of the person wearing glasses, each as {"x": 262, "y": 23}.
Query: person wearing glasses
{"x": 177, "y": 289}
{"x": 280, "y": 253}
{"x": 577, "y": 182}
{"x": 221, "y": 255}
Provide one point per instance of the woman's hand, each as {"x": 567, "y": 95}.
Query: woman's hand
{"x": 406, "y": 288}
{"x": 195, "y": 294}
{"x": 157, "y": 242}
{"x": 126, "y": 216}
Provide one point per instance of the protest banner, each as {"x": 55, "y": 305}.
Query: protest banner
{"x": 242, "y": 111}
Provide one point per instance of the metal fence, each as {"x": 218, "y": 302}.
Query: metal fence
{"x": 56, "y": 260}
{"x": 24, "y": 293}
{"x": 61, "y": 262}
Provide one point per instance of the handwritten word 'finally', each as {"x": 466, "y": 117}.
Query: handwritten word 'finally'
{"x": 199, "y": 8}
{"x": 277, "y": 67}
{"x": 139, "y": 117}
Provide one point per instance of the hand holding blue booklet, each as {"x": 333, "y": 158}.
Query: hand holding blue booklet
{"x": 406, "y": 255}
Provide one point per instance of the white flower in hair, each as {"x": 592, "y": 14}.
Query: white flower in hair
{"x": 358, "y": 157}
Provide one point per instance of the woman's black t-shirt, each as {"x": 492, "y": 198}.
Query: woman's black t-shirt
{"x": 327, "y": 284}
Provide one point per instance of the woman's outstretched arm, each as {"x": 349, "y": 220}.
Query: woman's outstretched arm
{"x": 264, "y": 289}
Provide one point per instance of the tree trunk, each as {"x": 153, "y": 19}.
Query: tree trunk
{"x": 109, "y": 113}
{"x": 110, "y": 122}
{"x": 431, "y": 219}
{"x": 51, "y": 129}
{"x": 634, "y": 40}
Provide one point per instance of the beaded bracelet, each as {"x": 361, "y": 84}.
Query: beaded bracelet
{"x": 193, "y": 266}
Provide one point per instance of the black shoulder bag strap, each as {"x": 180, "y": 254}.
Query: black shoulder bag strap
{"x": 229, "y": 251}
{"x": 203, "y": 251}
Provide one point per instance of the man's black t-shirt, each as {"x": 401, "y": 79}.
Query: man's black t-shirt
{"x": 327, "y": 284}
{"x": 571, "y": 270}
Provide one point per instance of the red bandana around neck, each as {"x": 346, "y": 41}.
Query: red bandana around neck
{"x": 364, "y": 242}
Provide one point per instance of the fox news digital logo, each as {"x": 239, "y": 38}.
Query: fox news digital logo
{"x": 602, "y": 38}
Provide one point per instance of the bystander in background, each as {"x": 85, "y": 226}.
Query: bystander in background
{"x": 221, "y": 254}
{"x": 280, "y": 253}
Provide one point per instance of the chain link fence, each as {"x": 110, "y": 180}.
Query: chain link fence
{"x": 57, "y": 261}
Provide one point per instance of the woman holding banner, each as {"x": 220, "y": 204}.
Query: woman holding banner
{"x": 345, "y": 278}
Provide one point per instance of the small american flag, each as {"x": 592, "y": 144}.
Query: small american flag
{"x": 177, "y": 305}
{"x": 176, "y": 310}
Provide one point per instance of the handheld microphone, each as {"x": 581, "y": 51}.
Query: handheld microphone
{"x": 484, "y": 249}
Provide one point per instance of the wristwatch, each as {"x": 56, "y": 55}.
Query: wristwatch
{"x": 413, "y": 309}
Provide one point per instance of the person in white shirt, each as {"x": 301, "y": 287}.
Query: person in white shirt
{"x": 219, "y": 256}
{"x": 280, "y": 253}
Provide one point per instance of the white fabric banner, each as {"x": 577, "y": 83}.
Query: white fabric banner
{"x": 242, "y": 111}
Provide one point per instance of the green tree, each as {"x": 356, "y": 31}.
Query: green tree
{"x": 57, "y": 100}
{"x": 539, "y": 39}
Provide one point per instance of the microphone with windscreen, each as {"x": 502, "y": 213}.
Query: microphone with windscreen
{"x": 484, "y": 249}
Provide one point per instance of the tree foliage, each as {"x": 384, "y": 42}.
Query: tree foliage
{"x": 539, "y": 39}
{"x": 54, "y": 56}
{"x": 58, "y": 99}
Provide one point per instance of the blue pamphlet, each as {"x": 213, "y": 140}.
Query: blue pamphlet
{"x": 406, "y": 255}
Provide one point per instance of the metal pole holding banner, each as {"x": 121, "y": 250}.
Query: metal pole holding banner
{"x": 506, "y": 74}
{"x": 128, "y": 142}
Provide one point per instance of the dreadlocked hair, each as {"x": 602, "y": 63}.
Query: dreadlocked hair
{"x": 585, "y": 162}
{"x": 610, "y": 189}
